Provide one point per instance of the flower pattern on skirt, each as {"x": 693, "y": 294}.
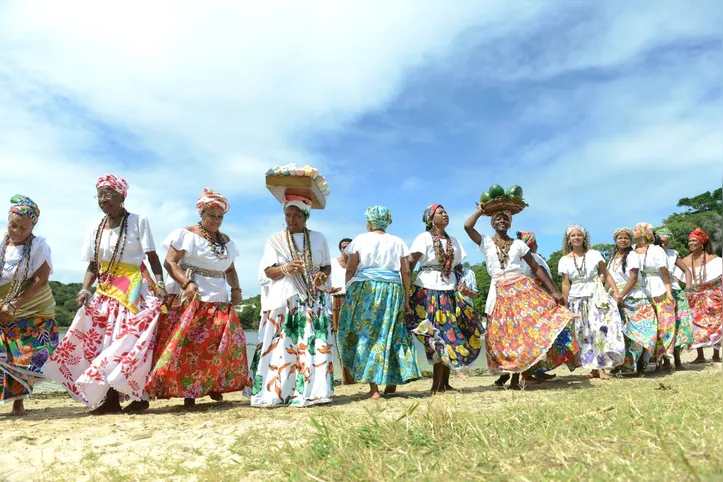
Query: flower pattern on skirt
{"x": 376, "y": 346}
{"x": 25, "y": 346}
{"x": 640, "y": 328}
{"x": 447, "y": 325}
{"x": 707, "y": 311}
{"x": 525, "y": 326}
{"x": 106, "y": 346}
{"x": 293, "y": 363}
{"x": 201, "y": 348}
{"x": 665, "y": 312}
{"x": 683, "y": 320}
{"x": 598, "y": 331}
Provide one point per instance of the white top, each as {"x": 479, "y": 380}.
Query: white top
{"x": 275, "y": 293}
{"x": 39, "y": 254}
{"x": 676, "y": 274}
{"x": 338, "y": 276}
{"x": 470, "y": 279}
{"x": 432, "y": 278}
{"x": 582, "y": 283}
{"x": 713, "y": 270}
{"x": 621, "y": 277}
{"x": 199, "y": 253}
{"x": 378, "y": 250}
{"x": 527, "y": 271}
{"x": 513, "y": 268}
{"x": 139, "y": 242}
{"x": 650, "y": 264}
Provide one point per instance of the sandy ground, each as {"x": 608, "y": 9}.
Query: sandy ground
{"x": 59, "y": 433}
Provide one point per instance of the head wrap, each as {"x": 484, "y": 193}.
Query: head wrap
{"x": 304, "y": 204}
{"x": 665, "y": 232}
{"x": 700, "y": 235}
{"x": 117, "y": 183}
{"x": 378, "y": 217}
{"x": 647, "y": 230}
{"x": 574, "y": 227}
{"x": 211, "y": 199}
{"x": 502, "y": 211}
{"x": 24, "y": 206}
{"x": 528, "y": 237}
{"x": 428, "y": 215}
{"x": 623, "y": 230}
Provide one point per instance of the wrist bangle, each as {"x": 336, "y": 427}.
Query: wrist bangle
{"x": 84, "y": 291}
{"x": 188, "y": 282}
{"x": 236, "y": 289}
{"x": 285, "y": 269}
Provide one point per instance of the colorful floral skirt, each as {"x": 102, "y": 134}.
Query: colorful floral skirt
{"x": 665, "y": 311}
{"x": 683, "y": 320}
{"x": 527, "y": 328}
{"x": 293, "y": 364}
{"x": 107, "y": 346}
{"x": 25, "y": 346}
{"x": 707, "y": 310}
{"x": 640, "y": 328}
{"x": 447, "y": 325}
{"x": 201, "y": 349}
{"x": 599, "y": 333}
{"x": 376, "y": 346}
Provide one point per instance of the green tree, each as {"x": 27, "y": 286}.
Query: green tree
{"x": 703, "y": 211}
{"x": 553, "y": 261}
{"x": 484, "y": 280}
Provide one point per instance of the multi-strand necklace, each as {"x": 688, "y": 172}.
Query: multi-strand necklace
{"x": 306, "y": 274}
{"x": 702, "y": 275}
{"x": 581, "y": 270}
{"x": 445, "y": 257}
{"x": 118, "y": 250}
{"x": 22, "y": 267}
{"x": 217, "y": 246}
{"x": 503, "y": 249}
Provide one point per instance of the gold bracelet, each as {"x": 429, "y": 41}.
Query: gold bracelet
{"x": 285, "y": 270}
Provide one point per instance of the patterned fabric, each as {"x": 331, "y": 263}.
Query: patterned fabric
{"x": 707, "y": 309}
{"x": 378, "y": 217}
{"x": 125, "y": 284}
{"x": 428, "y": 215}
{"x": 293, "y": 363}
{"x": 665, "y": 311}
{"x": 665, "y": 232}
{"x": 24, "y": 206}
{"x": 107, "y": 346}
{"x": 304, "y": 204}
{"x": 640, "y": 327}
{"x": 117, "y": 183}
{"x": 598, "y": 331}
{"x": 527, "y": 237}
{"x": 211, "y": 199}
{"x": 683, "y": 320}
{"x": 700, "y": 235}
{"x": 502, "y": 212}
{"x": 448, "y": 327}
{"x": 626, "y": 230}
{"x": 25, "y": 346}
{"x": 647, "y": 230}
{"x": 562, "y": 351}
{"x": 575, "y": 227}
{"x": 376, "y": 346}
{"x": 201, "y": 348}
{"x": 525, "y": 326}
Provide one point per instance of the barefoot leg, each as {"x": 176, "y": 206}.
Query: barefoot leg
{"x": 603, "y": 375}
{"x": 389, "y": 389}
{"x": 216, "y": 396}
{"x": 18, "y": 408}
{"x": 500, "y": 382}
{"x": 678, "y": 362}
{"x": 374, "y": 391}
{"x": 515, "y": 383}
{"x": 137, "y": 407}
{"x": 716, "y": 356}
{"x": 111, "y": 404}
{"x": 700, "y": 358}
{"x": 437, "y": 372}
{"x": 189, "y": 403}
{"x": 445, "y": 379}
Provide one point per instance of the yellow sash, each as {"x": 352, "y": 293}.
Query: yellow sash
{"x": 42, "y": 305}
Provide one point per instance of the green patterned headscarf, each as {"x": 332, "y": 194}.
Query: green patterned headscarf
{"x": 378, "y": 217}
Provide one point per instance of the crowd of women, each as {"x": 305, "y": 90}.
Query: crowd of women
{"x": 140, "y": 337}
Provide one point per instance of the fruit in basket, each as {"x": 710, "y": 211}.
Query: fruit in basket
{"x": 496, "y": 191}
{"x": 484, "y": 197}
{"x": 514, "y": 192}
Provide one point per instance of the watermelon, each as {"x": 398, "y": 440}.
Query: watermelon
{"x": 515, "y": 192}
{"x": 484, "y": 197}
{"x": 496, "y": 191}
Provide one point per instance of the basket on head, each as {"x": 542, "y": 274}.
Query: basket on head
{"x": 513, "y": 205}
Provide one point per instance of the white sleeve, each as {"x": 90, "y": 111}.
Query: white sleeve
{"x": 232, "y": 251}
{"x": 353, "y": 247}
{"x": 522, "y": 248}
{"x": 180, "y": 240}
{"x": 660, "y": 259}
{"x": 39, "y": 254}
{"x": 420, "y": 245}
{"x": 597, "y": 258}
{"x": 145, "y": 235}
{"x": 403, "y": 248}
{"x": 88, "y": 250}
{"x": 269, "y": 258}
{"x": 471, "y": 280}
{"x": 325, "y": 254}
{"x": 633, "y": 261}
{"x": 462, "y": 252}
{"x": 562, "y": 266}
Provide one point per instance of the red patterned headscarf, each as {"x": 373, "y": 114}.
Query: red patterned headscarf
{"x": 428, "y": 215}
{"x": 700, "y": 235}
{"x": 117, "y": 183}
{"x": 301, "y": 202}
{"x": 211, "y": 199}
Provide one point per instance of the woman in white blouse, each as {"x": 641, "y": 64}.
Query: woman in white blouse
{"x": 444, "y": 322}
{"x": 655, "y": 282}
{"x": 598, "y": 327}
{"x": 28, "y": 335}
{"x": 377, "y": 348}
{"x": 527, "y": 328}
{"x": 201, "y": 348}
{"x": 108, "y": 351}
{"x": 640, "y": 325}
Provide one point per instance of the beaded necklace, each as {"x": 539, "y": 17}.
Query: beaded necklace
{"x": 218, "y": 246}
{"x": 445, "y": 257}
{"x": 503, "y": 249}
{"x": 117, "y": 256}
{"x": 702, "y": 275}
{"x": 306, "y": 274}
{"x": 20, "y": 274}
{"x": 581, "y": 270}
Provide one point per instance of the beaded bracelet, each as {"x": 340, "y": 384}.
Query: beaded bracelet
{"x": 84, "y": 291}
{"x": 188, "y": 282}
{"x": 285, "y": 270}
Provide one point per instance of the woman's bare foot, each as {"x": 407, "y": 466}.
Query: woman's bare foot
{"x": 389, "y": 389}
{"x": 109, "y": 406}
{"x": 593, "y": 374}
{"x": 189, "y": 403}
{"x": 603, "y": 375}
{"x": 716, "y": 356}
{"x": 515, "y": 383}
{"x": 18, "y": 409}
{"x": 216, "y": 396}
{"x": 137, "y": 407}
{"x": 500, "y": 382}
{"x": 545, "y": 376}
{"x": 678, "y": 362}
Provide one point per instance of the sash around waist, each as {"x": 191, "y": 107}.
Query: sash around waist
{"x": 378, "y": 274}
{"x": 206, "y": 273}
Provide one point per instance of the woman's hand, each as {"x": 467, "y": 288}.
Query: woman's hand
{"x": 620, "y": 300}
{"x": 82, "y": 298}
{"x": 236, "y": 296}
{"x": 190, "y": 291}
{"x": 407, "y": 308}
{"x": 295, "y": 267}
{"x": 6, "y": 313}
{"x": 161, "y": 291}
{"x": 559, "y": 299}
{"x": 670, "y": 294}
{"x": 320, "y": 279}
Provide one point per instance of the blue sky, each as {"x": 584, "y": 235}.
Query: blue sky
{"x": 606, "y": 113}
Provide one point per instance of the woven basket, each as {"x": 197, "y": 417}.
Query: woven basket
{"x": 512, "y": 205}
